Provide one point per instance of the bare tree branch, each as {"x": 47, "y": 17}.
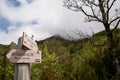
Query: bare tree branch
{"x": 104, "y": 8}
{"x": 111, "y": 5}
{"x": 116, "y": 25}
{"x": 114, "y": 20}
{"x": 70, "y": 37}
{"x": 102, "y": 11}
{"x": 108, "y": 9}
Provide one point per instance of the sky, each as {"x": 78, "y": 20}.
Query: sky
{"x": 41, "y": 18}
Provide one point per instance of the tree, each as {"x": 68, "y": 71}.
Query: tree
{"x": 6, "y": 68}
{"x": 102, "y": 11}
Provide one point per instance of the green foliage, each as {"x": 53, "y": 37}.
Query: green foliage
{"x": 49, "y": 69}
{"x": 67, "y": 60}
{"x": 6, "y": 68}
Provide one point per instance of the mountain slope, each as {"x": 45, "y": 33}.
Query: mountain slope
{"x": 83, "y": 59}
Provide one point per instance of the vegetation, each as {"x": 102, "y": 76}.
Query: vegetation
{"x": 67, "y": 60}
{"x": 104, "y": 12}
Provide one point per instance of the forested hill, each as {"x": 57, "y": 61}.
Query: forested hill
{"x": 83, "y": 59}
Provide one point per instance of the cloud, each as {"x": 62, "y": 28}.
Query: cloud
{"x": 44, "y": 10}
{"x": 23, "y": 1}
{"x": 11, "y": 28}
{"x": 43, "y": 18}
{"x": 15, "y": 32}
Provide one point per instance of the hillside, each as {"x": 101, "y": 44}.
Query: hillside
{"x": 84, "y": 59}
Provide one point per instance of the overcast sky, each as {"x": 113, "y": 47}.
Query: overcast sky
{"x": 42, "y": 18}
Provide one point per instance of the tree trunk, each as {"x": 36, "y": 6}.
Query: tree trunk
{"x": 111, "y": 49}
